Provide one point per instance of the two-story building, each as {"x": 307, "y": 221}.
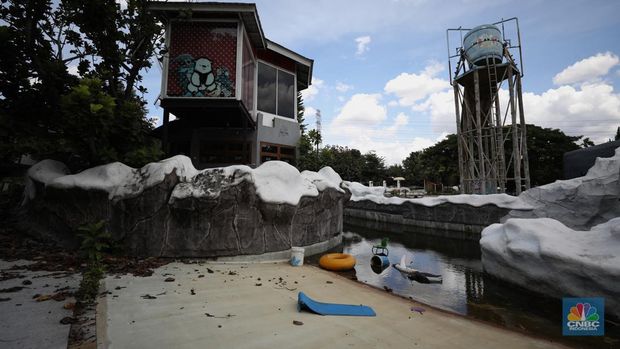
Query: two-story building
{"x": 233, "y": 91}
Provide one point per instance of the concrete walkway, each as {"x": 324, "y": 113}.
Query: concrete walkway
{"x": 249, "y": 306}
{"x": 25, "y": 322}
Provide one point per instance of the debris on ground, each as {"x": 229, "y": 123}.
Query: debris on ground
{"x": 169, "y": 279}
{"x": 67, "y": 320}
{"x": 148, "y": 296}
{"x": 12, "y": 289}
{"x": 387, "y": 289}
{"x": 298, "y": 323}
{"x": 418, "y": 309}
{"x": 43, "y": 298}
{"x": 220, "y": 317}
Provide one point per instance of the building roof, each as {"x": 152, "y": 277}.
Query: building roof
{"x": 248, "y": 14}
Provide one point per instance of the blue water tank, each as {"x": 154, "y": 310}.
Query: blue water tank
{"x": 481, "y": 42}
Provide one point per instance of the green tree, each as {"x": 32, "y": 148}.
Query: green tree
{"x": 373, "y": 168}
{"x": 347, "y": 162}
{"x": 439, "y": 163}
{"x": 316, "y": 139}
{"x": 586, "y": 142}
{"x": 546, "y": 148}
{"x": 40, "y": 39}
{"x": 300, "y": 113}
{"x": 617, "y": 137}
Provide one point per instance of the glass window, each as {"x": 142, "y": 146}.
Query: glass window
{"x": 248, "y": 69}
{"x": 267, "y": 88}
{"x": 286, "y": 94}
{"x": 280, "y": 98}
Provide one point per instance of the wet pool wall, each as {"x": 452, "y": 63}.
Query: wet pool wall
{"x": 452, "y": 220}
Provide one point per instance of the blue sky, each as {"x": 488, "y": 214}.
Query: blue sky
{"x": 381, "y": 73}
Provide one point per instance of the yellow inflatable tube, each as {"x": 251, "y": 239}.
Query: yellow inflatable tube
{"x": 337, "y": 261}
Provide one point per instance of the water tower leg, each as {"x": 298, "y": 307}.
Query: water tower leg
{"x": 459, "y": 136}
{"x": 526, "y": 161}
{"x": 500, "y": 145}
{"x": 481, "y": 170}
{"x": 516, "y": 154}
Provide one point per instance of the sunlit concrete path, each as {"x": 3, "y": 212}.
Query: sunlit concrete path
{"x": 254, "y": 306}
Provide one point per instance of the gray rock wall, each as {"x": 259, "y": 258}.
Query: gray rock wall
{"x": 231, "y": 220}
{"x": 456, "y": 220}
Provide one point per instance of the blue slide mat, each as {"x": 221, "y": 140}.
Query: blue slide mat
{"x": 305, "y": 302}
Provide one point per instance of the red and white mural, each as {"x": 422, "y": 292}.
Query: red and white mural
{"x": 202, "y": 61}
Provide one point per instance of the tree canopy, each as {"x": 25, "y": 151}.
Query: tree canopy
{"x": 48, "y": 112}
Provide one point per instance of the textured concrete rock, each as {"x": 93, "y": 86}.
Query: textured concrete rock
{"x": 545, "y": 256}
{"x": 465, "y": 219}
{"x": 173, "y": 210}
{"x": 579, "y": 203}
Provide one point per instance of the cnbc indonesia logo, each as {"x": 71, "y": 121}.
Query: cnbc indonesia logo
{"x": 583, "y": 316}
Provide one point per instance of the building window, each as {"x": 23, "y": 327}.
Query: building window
{"x": 276, "y": 91}
{"x": 269, "y": 151}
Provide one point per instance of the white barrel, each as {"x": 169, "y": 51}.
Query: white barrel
{"x": 297, "y": 256}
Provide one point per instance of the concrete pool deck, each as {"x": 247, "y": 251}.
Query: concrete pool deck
{"x": 254, "y": 306}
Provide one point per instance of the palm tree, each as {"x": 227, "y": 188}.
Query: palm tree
{"x": 316, "y": 139}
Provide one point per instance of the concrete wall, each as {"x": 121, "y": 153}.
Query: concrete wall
{"x": 449, "y": 220}
{"x": 277, "y": 130}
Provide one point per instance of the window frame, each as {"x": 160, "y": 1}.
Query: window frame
{"x": 278, "y": 69}
{"x": 278, "y": 154}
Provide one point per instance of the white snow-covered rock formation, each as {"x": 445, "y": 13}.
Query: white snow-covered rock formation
{"x": 579, "y": 203}
{"x": 168, "y": 208}
{"x": 545, "y": 256}
{"x": 569, "y": 244}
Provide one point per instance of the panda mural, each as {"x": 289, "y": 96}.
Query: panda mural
{"x": 202, "y": 81}
{"x": 197, "y": 79}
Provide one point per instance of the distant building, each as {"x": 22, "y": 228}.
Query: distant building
{"x": 576, "y": 163}
{"x": 233, "y": 91}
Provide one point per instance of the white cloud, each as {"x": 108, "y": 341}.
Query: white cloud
{"x": 400, "y": 120}
{"x": 361, "y": 110}
{"x": 592, "y": 110}
{"x": 412, "y": 88}
{"x": 362, "y": 44}
{"x": 342, "y": 87}
{"x": 394, "y": 151}
{"x": 440, "y": 107}
{"x": 312, "y": 90}
{"x": 73, "y": 70}
{"x": 587, "y": 70}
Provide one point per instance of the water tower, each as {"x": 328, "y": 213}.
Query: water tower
{"x": 490, "y": 123}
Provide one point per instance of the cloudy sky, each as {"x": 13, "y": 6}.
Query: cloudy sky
{"x": 381, "y": 74}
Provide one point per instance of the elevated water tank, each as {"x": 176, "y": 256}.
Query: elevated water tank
{"x": 481, "y": 42}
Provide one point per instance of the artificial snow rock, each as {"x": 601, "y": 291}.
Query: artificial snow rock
{"x": 169, "y": 208}
{"x": 579, "y": 203}
{"x": 545, "y": 256}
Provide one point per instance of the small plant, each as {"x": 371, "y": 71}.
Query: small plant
{"x": 95, "y": 239}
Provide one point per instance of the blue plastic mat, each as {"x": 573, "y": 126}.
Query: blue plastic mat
{"x": 307, "y": 303}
